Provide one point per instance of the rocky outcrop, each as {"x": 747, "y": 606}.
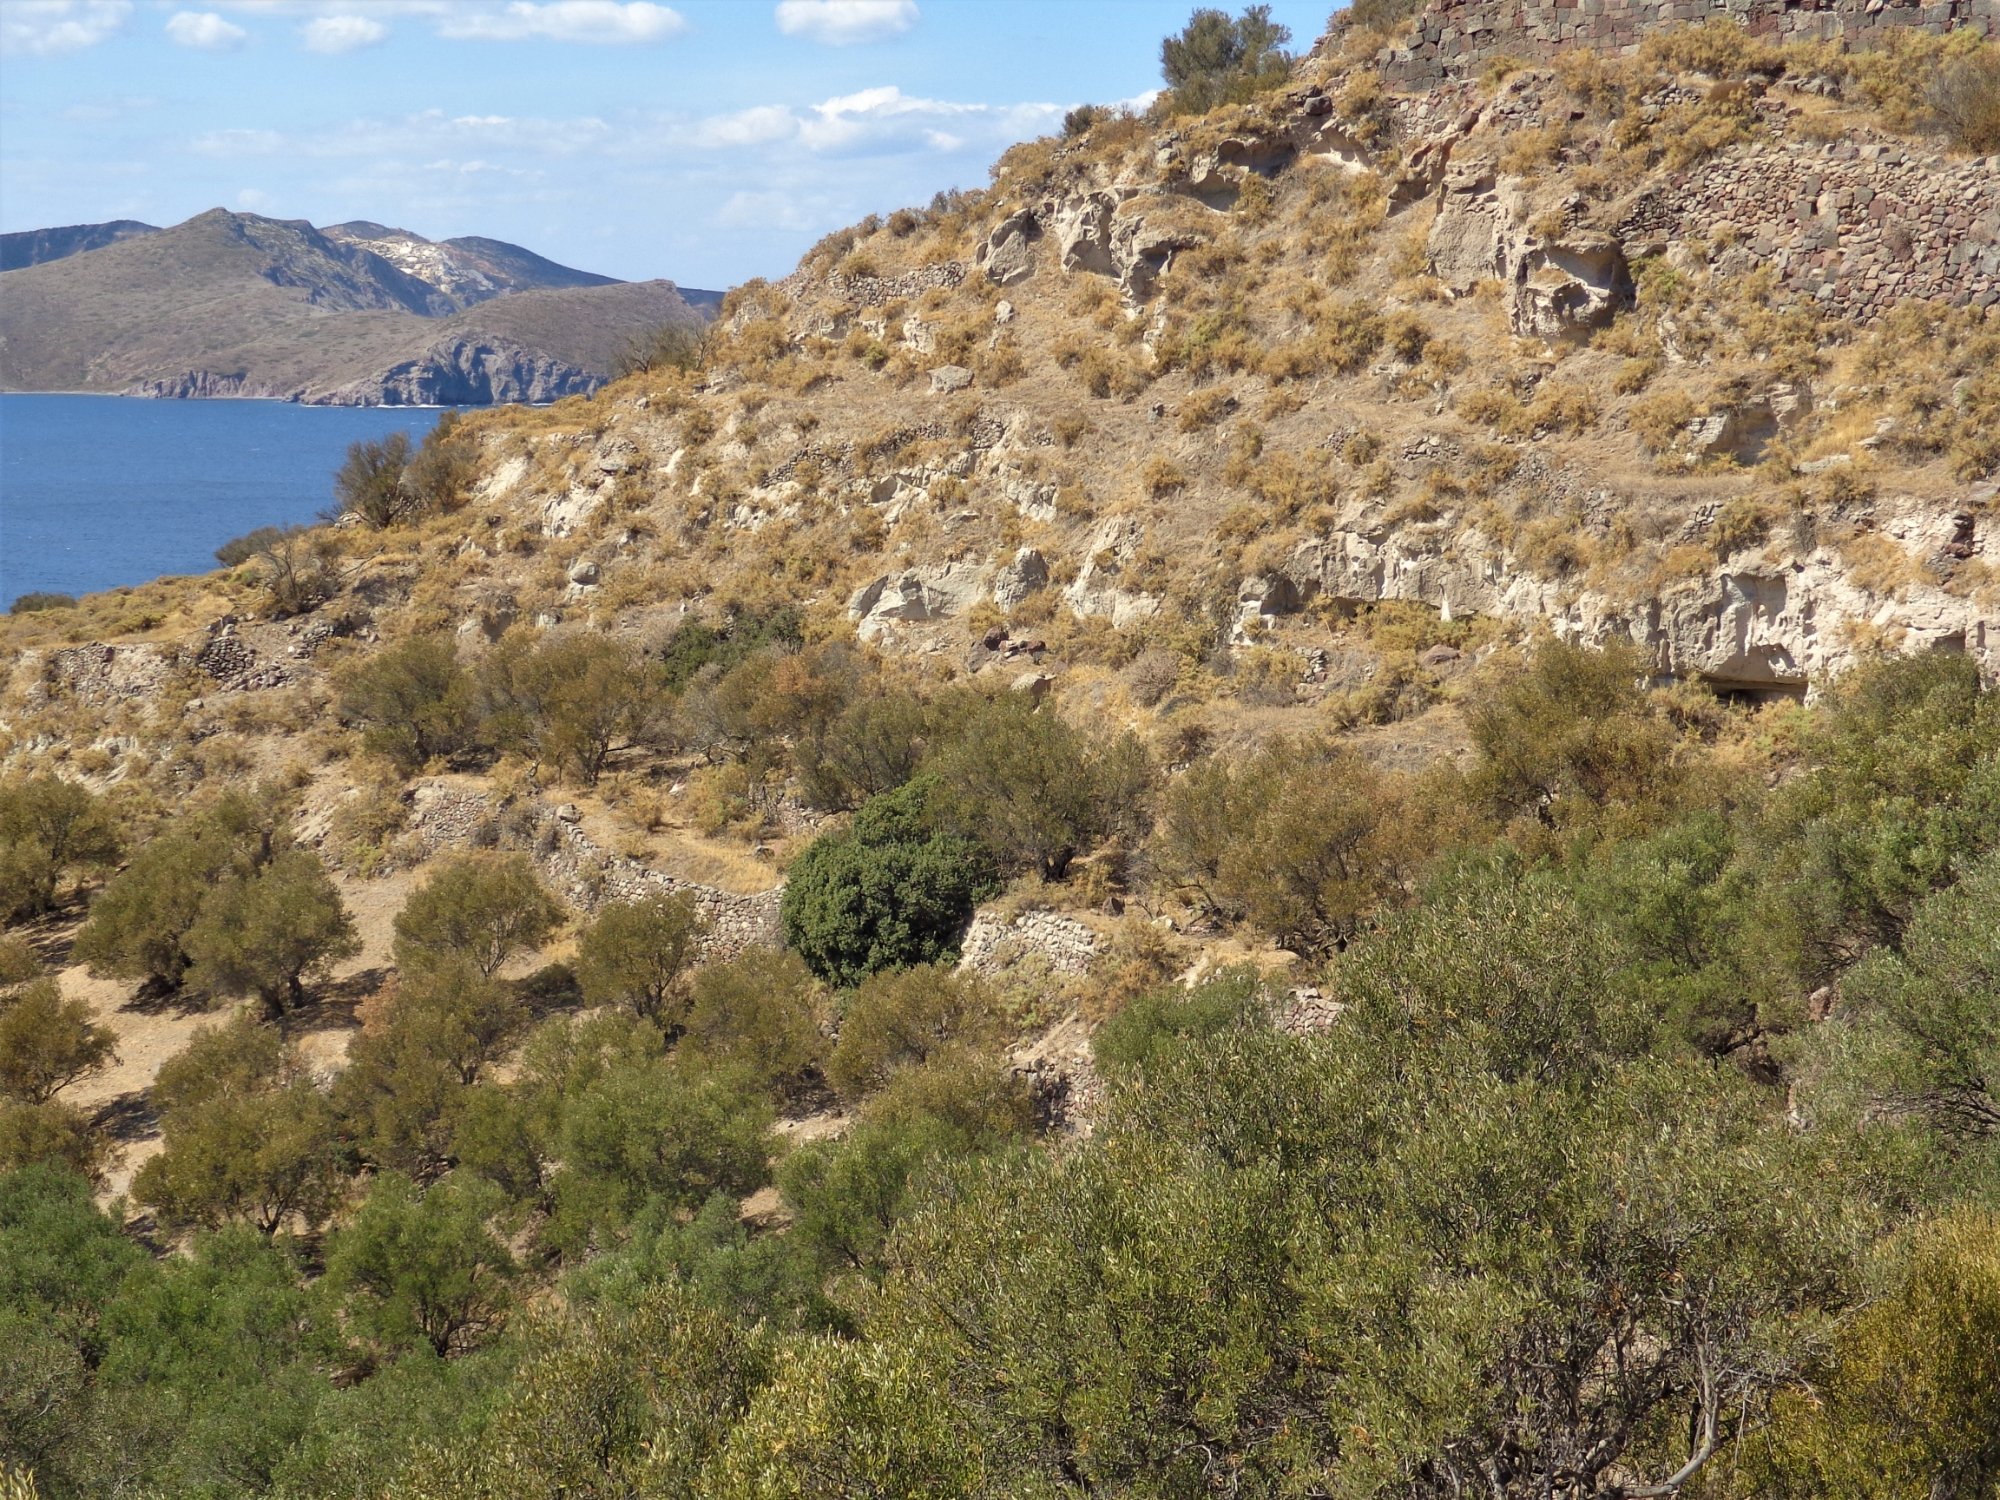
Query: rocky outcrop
{"x": 446, "y": 814}
{"x": 994, "y": 943}
{"x": 1456, "y": 38}
{"x": 1558, "y": 288}
{"x": 195, "y": 385}
{"x": 919, "y": 594}
{"x": 1745, "y": 624}
{"x": 464, "y": 371}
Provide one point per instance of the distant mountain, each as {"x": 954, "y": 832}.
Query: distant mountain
{"x": 471, "y": 269}
{"x": 231, "y": 304}
{"x": 33, "y": 247}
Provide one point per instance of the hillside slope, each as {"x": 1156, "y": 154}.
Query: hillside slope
{"x": 31, "y": 247}
{"x": 1147, "y": 833}
{"x": 235, "y": 304}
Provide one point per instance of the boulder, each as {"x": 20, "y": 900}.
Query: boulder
{"x": 932, "y": 593}
{"x": 1559, "y": 288}
{"x": 948, "y": 378}
{"x": 1008, "y": 253}
{"x": 583, "y": 572}
{"x": 1569, "y": 288}
{"x": 1013, "y": 583}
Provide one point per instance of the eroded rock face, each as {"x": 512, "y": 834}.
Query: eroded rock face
{"x": 1013, "y": 583}
{"x": 467, "y": 371}
{"x": 1791, "y": 624}
{"x": 1009, "y": 252}
{"x": 920, "y": 594}
{"x": 1568, "y": 288}
{"x": 1558, "y": 288}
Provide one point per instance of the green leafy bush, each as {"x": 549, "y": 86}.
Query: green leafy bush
{"x": 479, "y": 909}
{"x": 49, "y": 828}
{"x": 889, "y": 892}
{"x": 413, "y": 700}
{"x": 1219, "y": 60}
{"x": 903, "y": 1017}
{"x": 1152, "y": 1023}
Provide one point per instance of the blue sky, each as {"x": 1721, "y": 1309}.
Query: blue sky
{"x": 706, "y": 140}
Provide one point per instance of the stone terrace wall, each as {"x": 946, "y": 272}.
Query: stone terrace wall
{"x": 446, "y": 816}
{"x": 1859, "y": 226}
{"x": 1454, "y": 38}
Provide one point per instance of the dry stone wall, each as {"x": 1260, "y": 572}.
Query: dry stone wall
{"x": 994, "y": 943}
{"x": 448, "y": 816}
{"x": 1455, "y": 38}
{"x": 1860, "y": 226}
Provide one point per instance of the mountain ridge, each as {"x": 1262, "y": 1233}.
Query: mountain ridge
{"x": 241, "y": 304}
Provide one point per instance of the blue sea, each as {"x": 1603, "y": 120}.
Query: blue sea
{"x": 99, "y": 491}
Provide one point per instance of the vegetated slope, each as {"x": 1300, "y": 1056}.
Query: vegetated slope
{"x": 31, "y": 247}
{"x": 1172, "y": 537}
{"x": 235, "y": 304}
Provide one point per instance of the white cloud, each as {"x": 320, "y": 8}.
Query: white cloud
{"x": 204, "y": 30}
{"x": 253, "y": 201}
{"x": 334, "y": 35}
{"x": 45, "y": 28}
{"x": 758, "y": 126}
{"x": 605, "y": 22}
{"x": 842, "y": 22}
{"x": 238, "y": 143}
{"x": 747, "y": 210}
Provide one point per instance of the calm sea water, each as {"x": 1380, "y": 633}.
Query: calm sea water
{"x": 98, "y": 491}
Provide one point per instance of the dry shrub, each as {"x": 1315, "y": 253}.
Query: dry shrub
{"x": 1743, "y": 522}
{"x": 1877, "y": 564}
{"x": 1659, "y": 420}
{"x": 1204, "y": 408}
{"x": 1963, "y": 100}
{"x": 1161, "y": 477}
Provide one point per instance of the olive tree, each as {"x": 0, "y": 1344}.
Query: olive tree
{"x": 479, "y": 908}
{"x": 266, "y": 932}
{"x": 48, "y": 1043}
{"x": 637, "y": 954}
{"x": 413, "y": 700}
{"x": 49, "y": 828}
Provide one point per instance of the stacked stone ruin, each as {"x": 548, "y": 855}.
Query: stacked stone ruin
{"x": 1455, "y": 38}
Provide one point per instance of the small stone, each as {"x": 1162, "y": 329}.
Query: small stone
{"x": 569, "y": 813}
{"x": 583, "y": 571}
{"x": 948, "y": 378}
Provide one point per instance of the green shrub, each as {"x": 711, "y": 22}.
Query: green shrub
{"x": 637, "y": 954}
{"x": 889, "y": 892}
{"x": 479, "y": 909}
{"x": 49, "y": 828}
{"x": 759, "y": 1014}
{"x": 1218, "y": 60}
{"x": 47, "y": 1042}
{"x": 265, "y": 932}
{"x": 1153, "y": 1022}
{"x": 897, "y": 1019}
{"x": 1034, "y": 790}
{"x": 413, "y": 701}
{"x": 572, "y": 701}
{"x": 1901, "y": 787}
{"x": 422, "y": 1266}
{"x": 37, "y": 602}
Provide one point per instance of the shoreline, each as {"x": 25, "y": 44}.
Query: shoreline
{"x": 287, "y": 401}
